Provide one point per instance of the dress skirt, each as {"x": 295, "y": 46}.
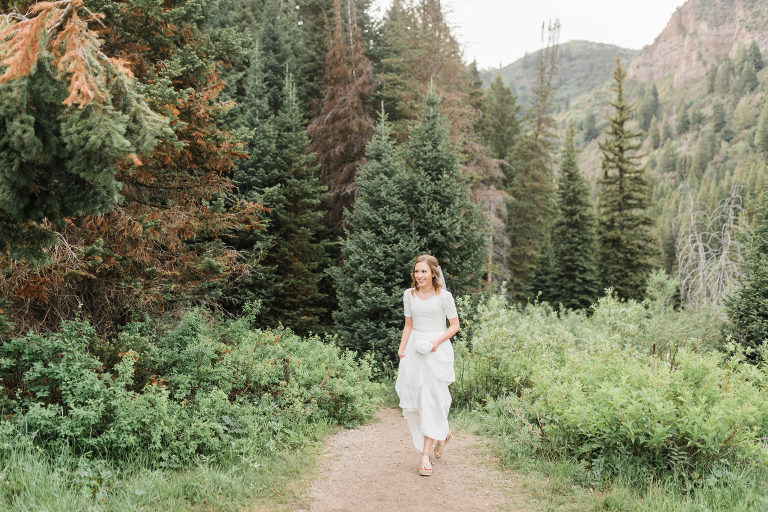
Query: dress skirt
{"x": 422, "y": 385}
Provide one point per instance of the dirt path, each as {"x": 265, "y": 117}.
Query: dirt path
{"x": 375, "y": 467}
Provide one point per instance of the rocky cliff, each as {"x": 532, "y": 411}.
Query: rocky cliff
{"x": 697, "y": 34}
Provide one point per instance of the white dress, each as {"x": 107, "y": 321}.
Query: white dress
{"x": 423, "y": 378}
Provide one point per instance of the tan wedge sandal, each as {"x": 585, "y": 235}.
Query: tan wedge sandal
{"x": 439, "y": 454}
{"x": 424, "y": 470}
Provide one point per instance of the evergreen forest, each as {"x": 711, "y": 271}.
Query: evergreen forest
{"x": 209, "y": 211}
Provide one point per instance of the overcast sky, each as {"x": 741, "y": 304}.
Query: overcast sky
{"x": 502, "y": 31}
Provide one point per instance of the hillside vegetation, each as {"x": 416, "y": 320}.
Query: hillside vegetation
{"x": 700, "y": 141}
{"x": 582, "y": 67}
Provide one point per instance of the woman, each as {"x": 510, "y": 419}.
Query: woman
{"x": 426, "y": 360}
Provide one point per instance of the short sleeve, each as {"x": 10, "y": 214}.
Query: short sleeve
{"x": 407, "y": 303}
{"x": 449, "y": 305}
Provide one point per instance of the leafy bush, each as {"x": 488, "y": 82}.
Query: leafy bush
{"x": 632, "y": 383}
{"x": 197, "y": 388}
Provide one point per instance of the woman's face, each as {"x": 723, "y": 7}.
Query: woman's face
{"x": 423, "y": 274}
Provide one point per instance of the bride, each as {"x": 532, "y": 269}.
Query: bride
{"x": 426, "y": 361}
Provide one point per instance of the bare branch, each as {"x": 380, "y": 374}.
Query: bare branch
{"x": 708, "y": 254}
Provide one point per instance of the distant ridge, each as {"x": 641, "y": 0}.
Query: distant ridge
{"x": 583, "y": 66}
{"x": 697, "y": 34}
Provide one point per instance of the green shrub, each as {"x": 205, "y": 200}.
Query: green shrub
{"x": 633, "y": 383}
{"x": 194, "y": 388}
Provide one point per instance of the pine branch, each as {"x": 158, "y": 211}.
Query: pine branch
{"x": 74, "y": 45}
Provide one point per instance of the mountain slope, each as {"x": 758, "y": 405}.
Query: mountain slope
{"x": 697, "y": 34}
{"x": 583, "y": 66}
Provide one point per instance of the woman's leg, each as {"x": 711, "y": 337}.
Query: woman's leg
{"x": 440, "y": 446}
{"x": 425, "y": 453}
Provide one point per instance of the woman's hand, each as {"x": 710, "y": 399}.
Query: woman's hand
{"x": 435, "y": 344}
{"x": 401, "y": 352}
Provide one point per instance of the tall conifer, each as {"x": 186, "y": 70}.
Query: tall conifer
{"x": 590, "y": 127}
{"x": 379, "y": 246}
{"x": 748, "y": 307}
{"x": 159, "y": 247}
{"x": 301, "y": 252}
{"x": 624, "y": 225}
{"x": 531, "y": 187}
{"x": 500, "y": 123}
{"x": 575, "y": 282}
{"x": 448, "y": 224}
{"x": 275, "y": 54}
{"x": 653, "y": 133}
{"x": 761, "y": 140}
{"x": 755, "y": 56}
{"x": 290, "y": 251}
{"x": 315, "y": 22}
{"x": 342, "y": 127}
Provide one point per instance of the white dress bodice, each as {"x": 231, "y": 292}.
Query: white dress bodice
{"x": 429, "y": 315}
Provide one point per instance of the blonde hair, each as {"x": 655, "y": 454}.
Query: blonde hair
{"x": 431, "y": 261}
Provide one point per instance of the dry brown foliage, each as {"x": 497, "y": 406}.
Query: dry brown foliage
{"x": 67, "y": 36}
{"x": 343, "y": 127}
{"x": 163, "y": 247}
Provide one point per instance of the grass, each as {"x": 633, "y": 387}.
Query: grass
{"x": 36, "y": 481}
{"x": 562, "y": 484}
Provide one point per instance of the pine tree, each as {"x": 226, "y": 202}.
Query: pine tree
{"x": 748, "y": 77}
{"x": 314, "y": 38}
{"x": 711, "y": 78}
{"x": 718, "y": 116}
{"x": 531, "y": 189}
{"x": 289, "y": 254}
{"x": 448, "y": 224}
{"x": 703, "y": 152}
{"x": 575, "y": 283}
{"x": 542, "y": 283}
{"x": 747, "y": 308}
{"x": 301, "y": 250}
{"x": 378, "y": 248}
{"x": 762, "y": 131}
{"x": 755, "y": 57}
{"x": 740, "y": 56}
{"x": 724, "y": 75}
{"x": 500, "y": 123}
{"x": 161, "y": 246}
{"x": 419, "y": 51}
{"x": 590, "y": 127}
{"x": 475, "y": 94}
{"x": 71, "y": 117}
{"x": 743, "y": 116}
{"x": 683, "y": 121}
{"x": 400, "y": 86}
{"x": 648, "y": 108}
{"x": 624, "y": 225}
{"x": 275, "y": 55}
{"x": 654, "y": 99}
{"x": 653, "y": 133}
{"x": 342, "y": 127}
{"x": 666, "y": 133}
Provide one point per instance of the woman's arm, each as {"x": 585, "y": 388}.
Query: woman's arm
{"x": 453, "y": 328}
{"x": 407, "y": 328}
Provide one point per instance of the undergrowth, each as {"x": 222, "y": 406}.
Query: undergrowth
{"x": 202, "y": 404}
{"x": 636, "y": 400}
